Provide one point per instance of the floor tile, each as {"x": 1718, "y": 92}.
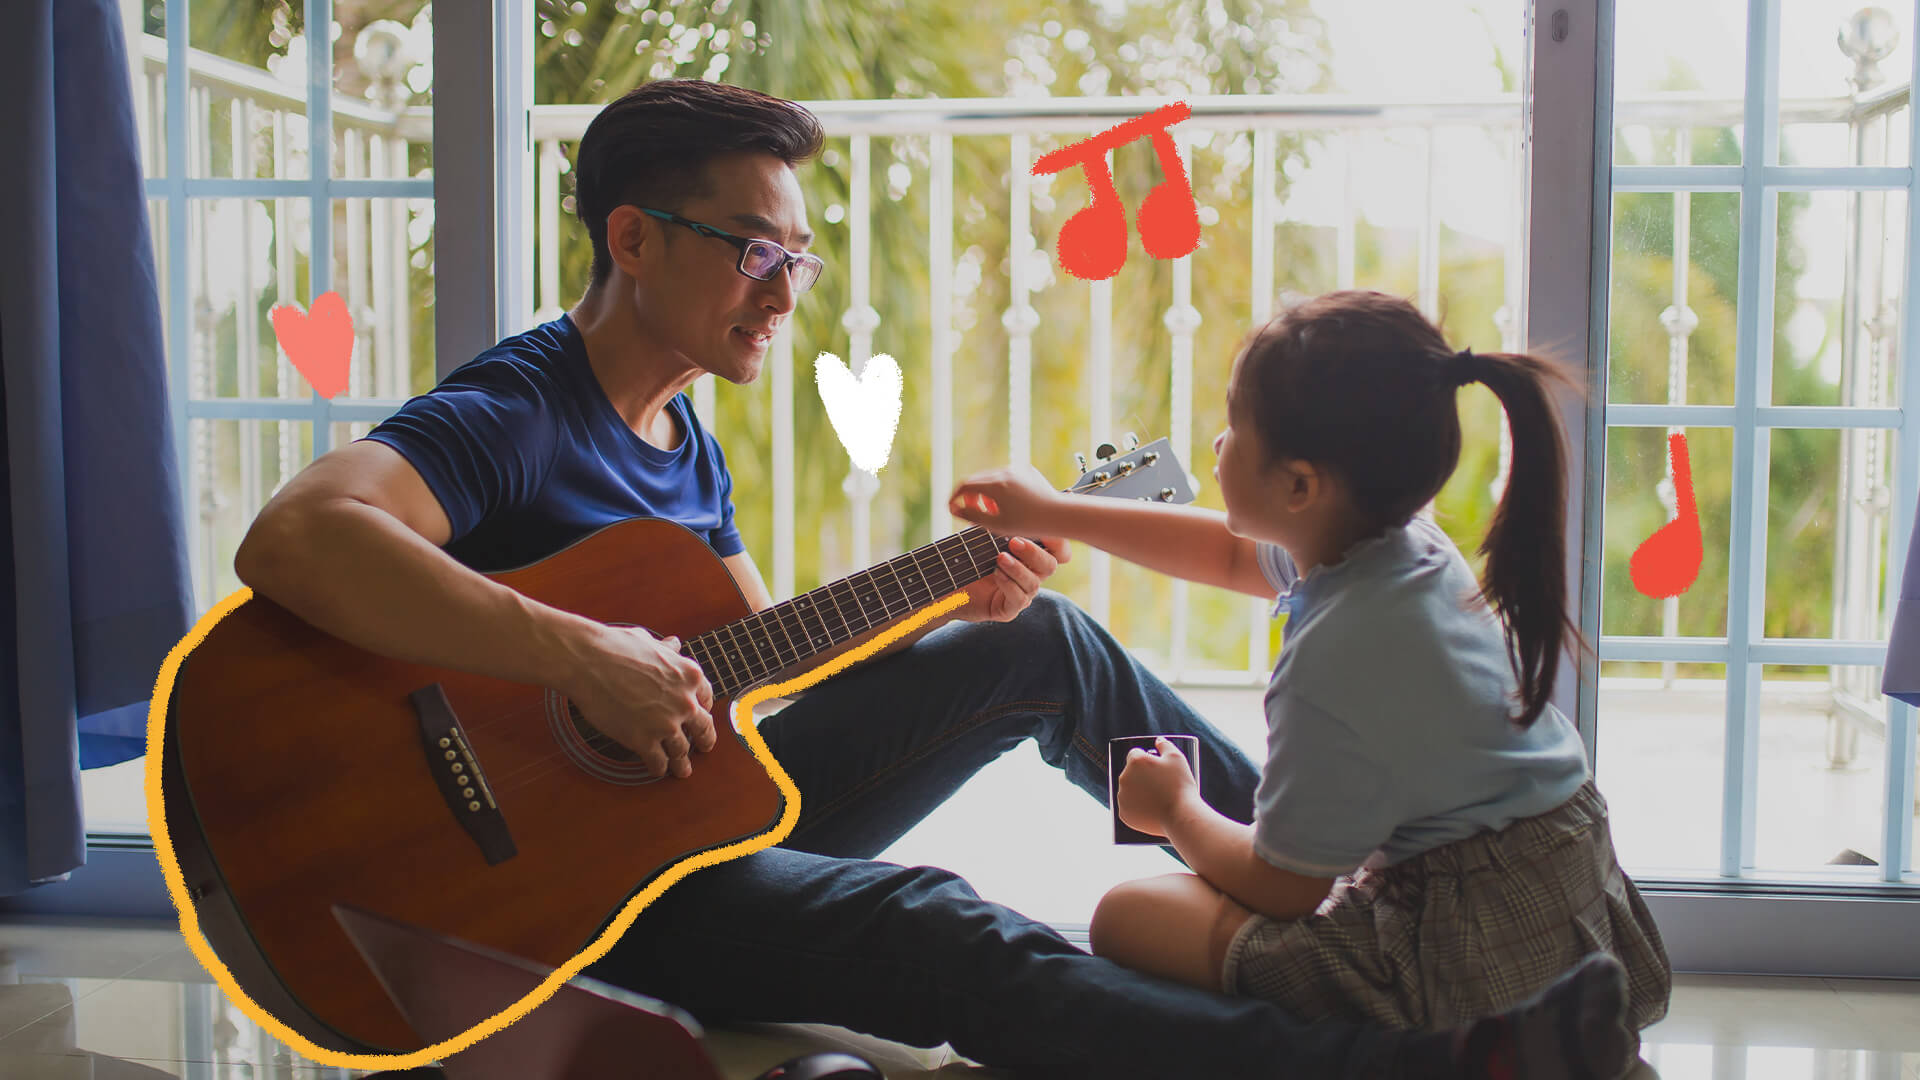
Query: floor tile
{"x": 96, "y": 949}
{"x": 1890, "y": 1008}
{"x": 1731, "y": 1010}
{"x": 85, "y": 1066}
{"x": 162, "y": 1017}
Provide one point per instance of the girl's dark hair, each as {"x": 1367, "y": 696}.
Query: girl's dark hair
{"x": 1362, "y": 384}
{"x": 651, "y": 147}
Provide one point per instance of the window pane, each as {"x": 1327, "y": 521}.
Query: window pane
{"x": 1913, "y": 855}
{"x": 1679, "y": 67}
{"x": 383, "y": 269}
{"x": 157, "y": 229}
{"x": 147, "y": 78}
{"x": 1837, "y": 297}
{"x": 1671, "y": 337}
{"x": 247, "y": 100}
{"x": 383, "y": 90}
{"x": 237, "y": 466}
{"x": 1640, "y": 501}
{"x": 1836, "y": 58}
{"x": 1822, "y": 784}
{"x": 246, "y": 256}
{"x": 1661, "y": 739}
{"x": 1827, "y": 532}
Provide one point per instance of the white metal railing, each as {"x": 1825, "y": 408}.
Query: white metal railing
{"x": 373, "y": 145}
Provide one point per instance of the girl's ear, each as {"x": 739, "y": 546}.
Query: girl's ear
{"x": 1301, "y": 485}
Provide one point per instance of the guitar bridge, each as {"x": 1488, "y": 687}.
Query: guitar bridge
{"x": 456, "y": 771}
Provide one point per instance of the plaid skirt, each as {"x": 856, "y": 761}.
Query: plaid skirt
{"x": 1462, "y": 931}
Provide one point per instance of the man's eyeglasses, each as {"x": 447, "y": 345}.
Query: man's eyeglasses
{"x": 759, "y": 259}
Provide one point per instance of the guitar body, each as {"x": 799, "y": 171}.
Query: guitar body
{"x": 296, "y": 776}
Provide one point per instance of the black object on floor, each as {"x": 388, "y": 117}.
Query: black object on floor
{"x": 588, "y": 1029}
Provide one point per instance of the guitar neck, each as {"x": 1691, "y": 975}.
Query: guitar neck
{"x": 748, "y": 651}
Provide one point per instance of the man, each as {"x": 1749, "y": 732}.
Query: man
{"x": 699, "y": 233}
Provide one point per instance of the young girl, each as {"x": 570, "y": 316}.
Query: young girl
{"x": 1421, "y": 853}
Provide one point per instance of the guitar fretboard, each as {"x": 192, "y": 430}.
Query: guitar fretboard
{"x": 746, "y": 652}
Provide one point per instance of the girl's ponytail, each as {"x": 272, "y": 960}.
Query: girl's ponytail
{"x": 1526, "y": 575}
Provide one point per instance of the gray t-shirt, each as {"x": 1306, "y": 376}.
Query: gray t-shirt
{"x": 1388, "y": 730}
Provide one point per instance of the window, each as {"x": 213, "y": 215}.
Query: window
{"x": 1759, "y": 249}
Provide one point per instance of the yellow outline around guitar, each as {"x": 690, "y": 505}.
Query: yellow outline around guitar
{"x": 743, "y": 716}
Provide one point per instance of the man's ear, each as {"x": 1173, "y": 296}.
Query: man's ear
{"x": 629, "y": 233}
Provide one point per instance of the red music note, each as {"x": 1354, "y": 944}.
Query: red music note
{"x": 1666, "y": 563}
{"x": 1093, "y": 242}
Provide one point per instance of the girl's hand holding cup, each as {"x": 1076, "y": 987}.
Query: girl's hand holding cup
{"x": 1153, "y": 785}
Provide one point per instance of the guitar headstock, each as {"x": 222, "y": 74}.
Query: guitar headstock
{"x": 1151, "y": 473}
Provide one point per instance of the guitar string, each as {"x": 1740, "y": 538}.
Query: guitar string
{"x": 599, "y": 741}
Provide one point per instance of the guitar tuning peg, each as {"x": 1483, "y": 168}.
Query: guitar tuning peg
{"x": 1132, "y": 441}
{"x": 1105, "y": 451}
{"x": 1080, "y": 462}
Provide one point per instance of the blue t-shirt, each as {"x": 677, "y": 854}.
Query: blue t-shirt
{"x": 527, "y": 455}
{"x": 1388, "y": 715}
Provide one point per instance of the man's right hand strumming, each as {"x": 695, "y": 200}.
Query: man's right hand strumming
{"x": 643, "y": 693}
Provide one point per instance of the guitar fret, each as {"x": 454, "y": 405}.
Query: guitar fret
{"x": 966, "y": 545}
{"x": 780, "y": 612}
{"x": 945, "y": 559}
{"x": 934, "y": 592}
{"x": 875, "y": 595}
{"x": 710, "y": 659}
{"x": 756, "y": 635}
{"x": 846, "y": 625}
{"x": 882, "y": 591}
{"x": 738, "y": 656}
{"x": 821, "y": 639}
{"x": 918, "y": 579}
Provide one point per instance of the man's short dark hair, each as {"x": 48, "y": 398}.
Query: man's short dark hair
{"x": 651, "y": 147}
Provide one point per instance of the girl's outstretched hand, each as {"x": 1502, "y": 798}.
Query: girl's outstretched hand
{"x": 1010, "y": 501}
{"x": 1152, "y": 786}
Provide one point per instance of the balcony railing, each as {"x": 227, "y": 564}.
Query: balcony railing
{"x": 372, "y": 145}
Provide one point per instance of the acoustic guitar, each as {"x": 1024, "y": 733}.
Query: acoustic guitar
{"x": 299, "y": 771}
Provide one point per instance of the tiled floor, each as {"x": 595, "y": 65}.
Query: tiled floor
{"x": 117, "y": 999}
{"x": 130, "y": 1001}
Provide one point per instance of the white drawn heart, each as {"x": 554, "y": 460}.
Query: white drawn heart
{"x": 865, "y": 411}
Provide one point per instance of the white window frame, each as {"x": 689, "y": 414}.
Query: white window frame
{"x": 1734, "y": 924}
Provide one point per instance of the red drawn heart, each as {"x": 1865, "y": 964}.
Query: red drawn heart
{"x": 318, "y": 341}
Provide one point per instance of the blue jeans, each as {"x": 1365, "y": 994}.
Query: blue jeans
{"x": 814, "y": 931}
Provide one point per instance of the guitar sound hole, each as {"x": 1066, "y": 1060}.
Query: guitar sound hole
{"x": 602, "y": 743}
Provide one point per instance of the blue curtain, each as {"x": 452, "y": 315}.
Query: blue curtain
{"x": 1900, "y": 678}
{"x": 94, "y": 585}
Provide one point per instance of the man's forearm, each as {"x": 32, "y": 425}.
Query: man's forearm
{"x": 1184, "y": 541}
{"x": 356, "y": 572}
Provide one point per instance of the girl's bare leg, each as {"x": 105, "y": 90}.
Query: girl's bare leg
{"x": 1176, "y": 926}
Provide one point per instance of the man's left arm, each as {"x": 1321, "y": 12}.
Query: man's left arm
{"x": 998, "y": 597}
